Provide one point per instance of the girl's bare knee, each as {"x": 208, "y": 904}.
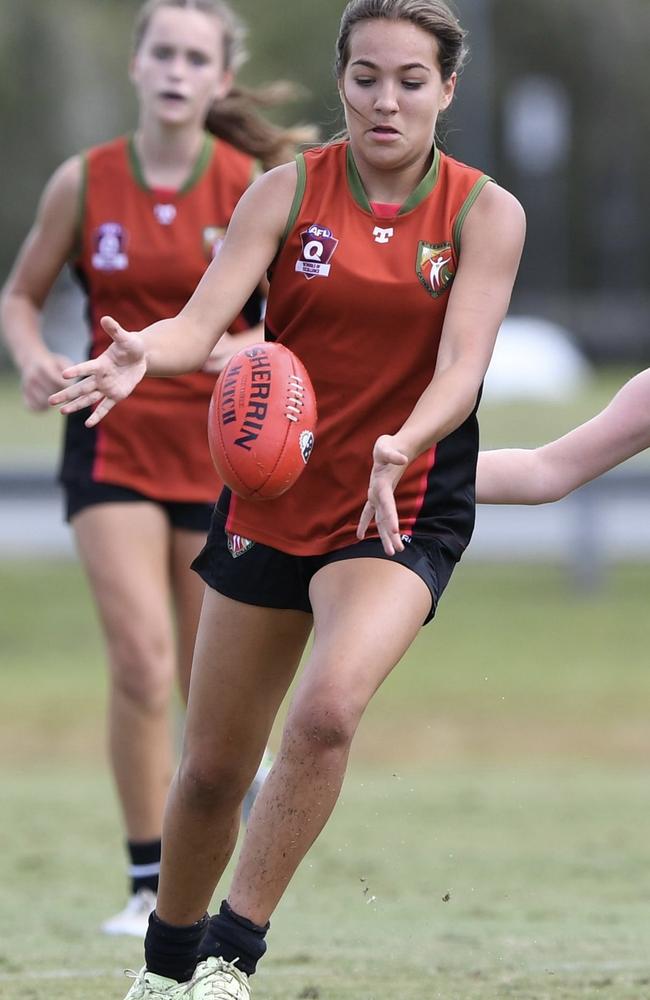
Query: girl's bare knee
{"x": 205, "y": 785}
{"x": 142, "y": 673}
{"x": 320, "y": 726}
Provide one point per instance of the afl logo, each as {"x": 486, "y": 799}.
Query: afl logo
{"x": 318, "y": 247}
{"x": 435, "y": 267}
{"x": 109, "y": 245}
{"x": 306, "y": 442}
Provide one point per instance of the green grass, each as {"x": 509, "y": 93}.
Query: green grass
{"x": 25, "y": 436}
{"x": 503, "y": 764}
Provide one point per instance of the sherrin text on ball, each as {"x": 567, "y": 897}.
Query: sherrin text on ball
{"x": 262, "y": 421}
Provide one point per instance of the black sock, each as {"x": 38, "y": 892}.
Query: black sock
{"x": 173, "y": 951}
{"x": 144, "y": 869}
{"x": 231, "y": 937}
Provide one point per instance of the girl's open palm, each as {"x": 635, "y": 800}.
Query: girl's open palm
{"x": 105, "y": 380}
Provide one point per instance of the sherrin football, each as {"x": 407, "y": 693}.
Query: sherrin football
{"x": 262, "y": 421}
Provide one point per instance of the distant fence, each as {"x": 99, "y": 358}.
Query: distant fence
{"x": 27, "y": 484}
{"x": 589, "y": 556}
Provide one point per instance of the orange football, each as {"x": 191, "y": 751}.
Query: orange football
{"x": 262, "y": 421}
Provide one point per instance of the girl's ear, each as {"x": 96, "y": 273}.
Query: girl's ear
{"x": 224, "y": 86}
{"x": 448, "y": 90}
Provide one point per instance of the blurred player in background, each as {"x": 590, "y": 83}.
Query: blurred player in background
{"x": 139, "y": 219}
{"x": 550, "y": 472}
{"x": 392, "y": 269}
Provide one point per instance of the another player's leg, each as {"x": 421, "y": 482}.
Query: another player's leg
{"x": 188, "y": 593}
{"x": 125, "y": 551}
{"x": 245, "y": 659}
{"x": 366, "y": 614}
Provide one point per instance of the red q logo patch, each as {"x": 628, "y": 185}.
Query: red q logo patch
{"x": 435, "y": 267}
{"x": 318, "y": 247}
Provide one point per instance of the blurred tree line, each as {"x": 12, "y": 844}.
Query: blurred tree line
{"x": 553, "y": 103}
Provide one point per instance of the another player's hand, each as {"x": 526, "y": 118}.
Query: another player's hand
{"x": 105, "y": 380}
{"x": 42, "y": 376}
{"x": 387, "y": 469}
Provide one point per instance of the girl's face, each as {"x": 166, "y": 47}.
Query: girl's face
{"x": 393, "y": 92}
{"x": 178, "y": 69}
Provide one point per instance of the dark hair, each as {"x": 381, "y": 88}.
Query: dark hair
{"x": 433, "y": 16}
{"x": 236, "y": 117}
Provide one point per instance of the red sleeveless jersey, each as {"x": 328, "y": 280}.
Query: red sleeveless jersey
{"x": 362, "y": 301}
{"x": 142, "y": 253}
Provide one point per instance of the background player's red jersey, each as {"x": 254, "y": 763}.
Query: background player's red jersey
{"x": 142, "y": 252}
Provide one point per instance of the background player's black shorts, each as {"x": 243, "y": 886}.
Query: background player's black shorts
{"x": 185, "y": 516}
{"x": 258, "y": 574}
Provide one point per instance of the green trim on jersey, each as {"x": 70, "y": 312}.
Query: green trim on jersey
{"x": 199, "y": 168}
{"x": 464, "y": 209}
{"x": 299, "y": 194}
{"x": 134, "y": 160}
{"x": 202, "y": 163}
{"x": 426, "y": 185}
{"x": 77, "y": 246}
{"x": 416, "y": 197}
{"x": 355, "y": 183}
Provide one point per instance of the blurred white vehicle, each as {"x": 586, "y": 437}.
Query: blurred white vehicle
{"x": 534, "y": 359}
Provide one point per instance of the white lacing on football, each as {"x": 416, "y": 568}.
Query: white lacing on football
{"x": 295, "y": 398}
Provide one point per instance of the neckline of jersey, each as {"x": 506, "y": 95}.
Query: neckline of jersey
{"x": 384, "y": 209}
{"x": 197, "y": 171}
{"x": 424, "y": 188}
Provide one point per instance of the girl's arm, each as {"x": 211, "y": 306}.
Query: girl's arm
{"x": 541, "y": 475}
{"x": 493, "y": 237}
{"x": 48, "y": 246}
{"x": 182, "y": 344}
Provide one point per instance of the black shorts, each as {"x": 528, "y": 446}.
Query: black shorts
{"x": 257, "y": 574}
{"x": 185, "y": 516}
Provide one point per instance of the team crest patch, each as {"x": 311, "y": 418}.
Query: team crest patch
{"x": 238, "y": 545}
{"x": 213, "y": 237}
{"x": 109, "y": 247}
{"x": 318, "y": 247}
{"x": 306, "y": 442}
{"x": 435, "y": 267}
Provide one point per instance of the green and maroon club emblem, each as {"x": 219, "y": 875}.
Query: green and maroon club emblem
{"x": 435, "y": 267}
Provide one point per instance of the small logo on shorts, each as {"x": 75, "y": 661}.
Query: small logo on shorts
{"x": 238, "y": 545}
{"x": 306, "y": 442}
{"x": 407, "y": 539}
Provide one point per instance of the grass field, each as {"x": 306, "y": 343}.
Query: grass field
{"x": 503, "y": 765}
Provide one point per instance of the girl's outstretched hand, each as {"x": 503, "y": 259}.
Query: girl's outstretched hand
{"x": 105, "y": 380}
{"x": 387, "y": 470}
